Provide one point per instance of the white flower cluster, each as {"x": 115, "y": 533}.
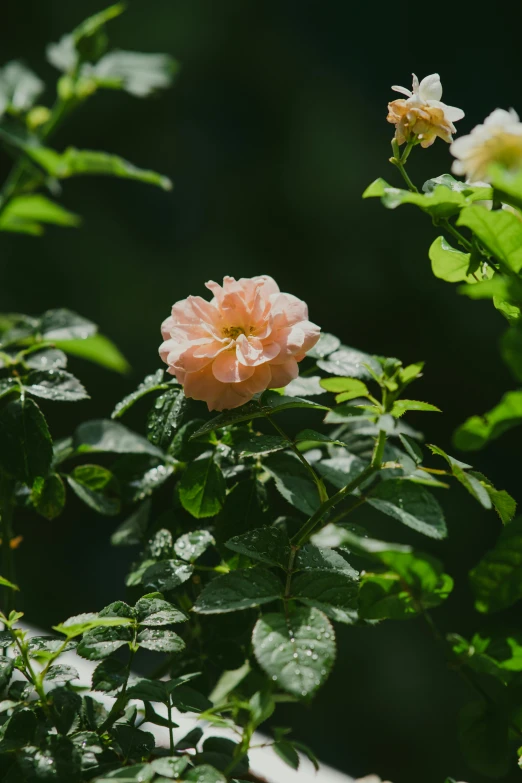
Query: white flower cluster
{"x": 422, "y": 117}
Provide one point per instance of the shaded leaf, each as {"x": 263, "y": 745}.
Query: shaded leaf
{"x": 151, "y": 383}
{"x": 237, "y": 590}
{"x": 202, "y": 488}
{"x": 25, "y": 442}
{"x": 296, "y": 652}
{"x": 411, "y": 504}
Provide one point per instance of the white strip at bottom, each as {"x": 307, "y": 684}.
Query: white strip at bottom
{"x": 263, "y": 761}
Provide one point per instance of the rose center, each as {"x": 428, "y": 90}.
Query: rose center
{"x": 233, "y": 332}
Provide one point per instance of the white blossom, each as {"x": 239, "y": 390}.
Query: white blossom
{"x": 498, "y": 140}
{"x": 423, "y": 115}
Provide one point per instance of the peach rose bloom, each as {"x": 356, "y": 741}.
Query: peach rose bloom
{"x": 248, "y": 338}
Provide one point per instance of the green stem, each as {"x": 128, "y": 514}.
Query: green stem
{"x": 241, "y": 749}
{"x": 323, "y": 494}
{"x": 6, "y": 511}
{"x": 378, "y": 450}
{"x": 171, "y": 731}
{"x": 308, "y": 528}
{"x": 119, "y": 704}
{"x": 461, "y": 239}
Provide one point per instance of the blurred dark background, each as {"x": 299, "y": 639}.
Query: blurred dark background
{"x": 272, "y": 131}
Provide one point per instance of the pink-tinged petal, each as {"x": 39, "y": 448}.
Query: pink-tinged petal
{"x": 288, "y": 310}
{"x": 232, "y": 395}
{"x": 259, "y": 381}
{"x": 253, "y": 351}
{"x": 166, "y": 348}
{"x": 312, "y": 332}
{"x": 166, "y": 327}
{"x": 282, "y": 374}
{"x": 291, "y": 341}
{"x": 204, "y": 310}
{"x": 190, "y": 363}
{"x": 202, "y": 385}
{"x": 211, "y": 348}
{"x": 269, "y": 285}
{"x": 227, "y": 369}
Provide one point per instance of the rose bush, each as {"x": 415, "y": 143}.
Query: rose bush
{"x": 245, "y": 553}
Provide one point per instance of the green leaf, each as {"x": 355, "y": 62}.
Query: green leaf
{"x": 401, "y": 406}
{"x": 473, "y": 192}
{"x": 507, "y": 184}
{"x": 497, "y": 579}
{"x": 470, "y": 481}
{"x": 297, "y": 652}
{"x": 237, "y": 590}
{"x": 499, "y": 231}
{"x": 137, "y": 73}
{"x": 151, "y": 383}
{"x": 6, "y": 670}
{"x": 135, "y": 744}
{"x": 340, "y": 471}
{"x": 191, "y": 546}
{"x": 511, "y": 348}
{"x": 267, "y": 544}
{"x": 449, "y": 264}
{"x": 90, "y": 483}
{"x": 74, "y": 162}
{"x": 24, "y": 214}
{"x": 109, "y": 676}
{"x": 105, "y": 436}
{"x": 351, "y": 363}
{"x": 415, "y": 582}
{"x": 270, "y": 402}
{"x": 245, "y": 509}
{"x": 314, "y": 558}
{"x": 46, "y": 359}
{"x": 6, "y": 583}
{"x": 333, "y": 592}
{"x": 257, "y": 445}
{"x": 293, "y": 482}
{"x": 165, "y": 417}
{"x": 153, "y": 611}
{"x": 25, "y": 442}
{"x": 8, "y": 386}
{"x": 167, "y": 574}
{"x": 48, "y": 495}
{"x": 312, "y": 436}
{"x": 504, "y": 504}
{"x": 102, "y": 642}
{"x": 440, "y": 201}
{"x": 345, "y": 388}
{"x": 204, "y": 773}
{"x": 327, "y": 344}
{"x": 286, "y": 751}
{"x": 304, "y": 386}
{"x": 170, "y": 767}
{"x": 57, "y": 385}
{"x": 412, "y": 448}
{"x": 411, "y": 504}
{"x": 161, "y": 640}
{"x": 132, "y": 530}
{"x": 63, "y": 325}
{"x": 83, "y": 623}
{"x": 479, "y": 430}
{"x": 61, "y": 673}
{"x": 97, "y": 349}
{"x": 202, "y": 488}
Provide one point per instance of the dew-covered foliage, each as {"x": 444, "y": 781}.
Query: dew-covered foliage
{"x": 241, "y": 529}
